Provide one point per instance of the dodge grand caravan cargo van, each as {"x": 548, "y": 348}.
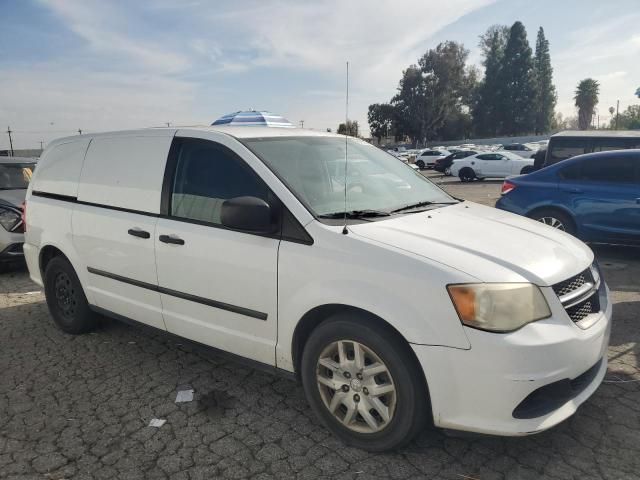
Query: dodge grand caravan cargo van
{"x": 406, "y": 306}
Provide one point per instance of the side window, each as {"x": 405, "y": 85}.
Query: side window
{"x": 606, "y": 144}
{"x": 612, "y": 170}
{"x": 571, "y": 172}
{"x": 486, "y": 156}
{"x": 206, "y": 175}
{"x": 563, "y": 148}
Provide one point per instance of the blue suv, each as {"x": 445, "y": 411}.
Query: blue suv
{"x": 595, "y": 197}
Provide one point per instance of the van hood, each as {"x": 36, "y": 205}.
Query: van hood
{"x": 486, "y": 243}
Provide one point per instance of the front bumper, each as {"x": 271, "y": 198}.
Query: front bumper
{"x": 10, "y": 246}
{"x": 483, "y": 389}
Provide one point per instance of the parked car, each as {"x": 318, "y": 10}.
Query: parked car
{"x": 15, "y": 174}
{"x": 407, "y": 305}
{"x": 428, "y": 158}
{"x": 522, "y": 149}
{"x": 595, "y": 197}
{"x": 499, "y": 164}
{"x": 568, "y": 144}
{"x": 443, "y": 165}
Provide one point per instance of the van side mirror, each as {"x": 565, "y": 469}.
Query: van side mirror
{"x": 248, "y": 214}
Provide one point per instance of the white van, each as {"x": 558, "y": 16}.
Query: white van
{"x": 411, "y": 306}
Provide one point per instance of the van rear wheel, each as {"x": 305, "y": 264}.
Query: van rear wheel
{"x": 66, "y": 299}
{"x": 363, "y": 384}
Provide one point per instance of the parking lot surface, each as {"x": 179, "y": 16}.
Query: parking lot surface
{"x": 79, "y": 407}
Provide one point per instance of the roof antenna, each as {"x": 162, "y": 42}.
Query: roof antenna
{"x": 346, "y": 144}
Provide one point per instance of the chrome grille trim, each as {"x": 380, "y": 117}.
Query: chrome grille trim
{"x": 580, "y": 297}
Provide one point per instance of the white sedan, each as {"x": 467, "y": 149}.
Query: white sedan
{"x": 499, "y": 164}
{"x": 427, "y": 159}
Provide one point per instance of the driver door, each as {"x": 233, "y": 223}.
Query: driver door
{"x": 218, "y": 286}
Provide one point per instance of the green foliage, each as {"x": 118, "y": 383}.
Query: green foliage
{"x": 638, "y": 92}
{"x": 545, "y": 91}
{"x": 381, "y": 118}
{"x": 629, "y": 119}
{"x": 586, "y": 99}
{"x": 486, "y": 113}
{"x": 349, "y": 128}
{"x": 516, "y": 84}
{"x": 439, "y": 87}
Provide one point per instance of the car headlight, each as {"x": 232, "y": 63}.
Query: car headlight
{"x": 498, "y": 307}
{"x": 9, "y": 219}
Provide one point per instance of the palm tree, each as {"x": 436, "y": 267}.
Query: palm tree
{"x": 638, "y": 92}
{"x": 586, "y": 99}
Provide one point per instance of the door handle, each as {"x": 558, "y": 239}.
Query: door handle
{"x": 136, "y": 232}
{"x": 171, "y": 239}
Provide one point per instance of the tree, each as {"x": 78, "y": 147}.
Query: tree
{"x": 629, "y": 119}
{"x": 586, "y": 99}
{"x": 433, "y": 90}
{"x": 349, "y": 128}
{"x": 381, "y": 118}
{"x": 486, "y": 116}
{"x": 545, "y": 91}
{"x": 516, "y": 83}
{"x": 638, "y": 92}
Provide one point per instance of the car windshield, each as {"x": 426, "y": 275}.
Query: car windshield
{"x": 314, "y": 169}
{"x": 15, "y": 177}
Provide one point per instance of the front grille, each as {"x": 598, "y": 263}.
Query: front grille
{"x": 579, "y": 295}
{"x": 581, "y": 310}
{"x": 573, "y": 283}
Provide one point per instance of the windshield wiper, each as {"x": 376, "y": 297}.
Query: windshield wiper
{"x": 420, "y": 204}
{"x": 356, "y": 214}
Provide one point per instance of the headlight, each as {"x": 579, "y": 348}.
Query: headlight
{"x": 9, "y": 219}
{"x": 499, "y": 307}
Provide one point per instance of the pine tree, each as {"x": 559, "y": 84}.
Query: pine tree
{"x": 486, "y": 114}
{"x": 545, "y": 91}
{"x": 516, "y": 83}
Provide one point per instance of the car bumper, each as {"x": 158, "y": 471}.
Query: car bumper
{"x": 519, "y": 383}
{"x": 11, "y": 246}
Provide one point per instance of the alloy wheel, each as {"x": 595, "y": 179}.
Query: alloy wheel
{"x": 552, "y": 222}
{"x": 356, "y": 386}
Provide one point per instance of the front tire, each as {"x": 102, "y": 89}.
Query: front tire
{"x": 467, "y": 174}
{"x": 363, "y": 384}
{"x": 66, "y": 299}
{"x": 554, "y": 218}
{"x": 420, "y": 164}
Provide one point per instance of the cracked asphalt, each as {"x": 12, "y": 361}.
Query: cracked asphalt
{"x": 79, "y": 407}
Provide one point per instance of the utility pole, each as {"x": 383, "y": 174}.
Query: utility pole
{"x": 79, "y": 131}
{"x": 168, "y": 124}
{"x": 301, "y": 123}
{"x": 41, "y": 145}
{"x": 10, "y": 141}
{"x": 617, "y": 113}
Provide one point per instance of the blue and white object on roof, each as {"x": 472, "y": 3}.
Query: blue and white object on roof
{"x": 253, "y": 118}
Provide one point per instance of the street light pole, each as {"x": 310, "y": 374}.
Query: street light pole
{"x": 10, "y": 141}
{"x": 617, "y": 113}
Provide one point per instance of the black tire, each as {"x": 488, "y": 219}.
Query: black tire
{"x": 527, "y": 169}
{"x": 547, "y": 215}
{"x": 420, "y": 164}
{"x": 412, "y": 406}
{"x": 66, "y": 299}
{"x": 467, "y": 174}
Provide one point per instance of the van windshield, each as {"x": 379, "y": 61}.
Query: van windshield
{"x": 15, "y": 177}
{"x": 314, "y": 170}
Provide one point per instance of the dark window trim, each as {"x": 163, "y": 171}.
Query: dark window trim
{"x": 167, "y": 190}
{"x": 185, "y": 296}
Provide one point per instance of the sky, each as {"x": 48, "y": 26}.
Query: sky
{"x": 99, "y": 65}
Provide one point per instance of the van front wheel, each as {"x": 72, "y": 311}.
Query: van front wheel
{"x": 363, "y": 384}
{"x": 66, "y": 299}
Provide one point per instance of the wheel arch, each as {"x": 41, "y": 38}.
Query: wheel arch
{"x": 47, "y": 253}
{"x": 321, "y": 313}
{"x": 560, "y": 208}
